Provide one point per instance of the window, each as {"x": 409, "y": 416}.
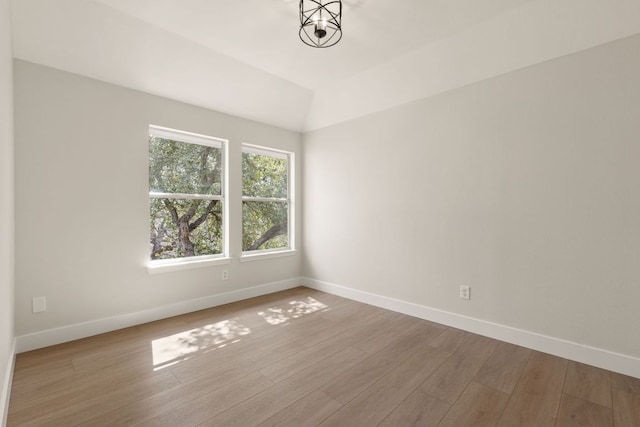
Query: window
{"x": 266, "y": 202}
{"x": 186, "y": 192}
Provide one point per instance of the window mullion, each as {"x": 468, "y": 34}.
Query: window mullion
{"x": 187, "y": 196}
{"x": 264, "y": 199}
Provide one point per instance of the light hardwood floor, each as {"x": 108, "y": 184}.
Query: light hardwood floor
{"x": 306, "y": 358}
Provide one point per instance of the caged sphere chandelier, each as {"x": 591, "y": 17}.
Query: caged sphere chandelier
{"x": 320, "y": 22}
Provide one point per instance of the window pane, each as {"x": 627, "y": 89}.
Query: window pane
{"x": 264, "y": 225}
{"x": 183, "y": 228}
{"x": 264, "y": 176}
{"x": 179, "y": 167}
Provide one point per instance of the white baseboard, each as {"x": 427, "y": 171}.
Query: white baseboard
{"x": 6, "y": 385}
{"x": 99, "y": 326}
{"x": 604, "y": 359}
{"x": 616, "y": 362}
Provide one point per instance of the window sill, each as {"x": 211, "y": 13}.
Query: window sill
{"x": 166, "y": 267}
{"x": 250, "y": 256}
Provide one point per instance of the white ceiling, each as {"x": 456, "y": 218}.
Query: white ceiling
{"x": 244, "y": 57}
{"x": 264, "y": 33}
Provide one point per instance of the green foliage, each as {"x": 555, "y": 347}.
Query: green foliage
{"x": 180, "y": 167}
{"x": 264, "y": 176}
{"x": 206, "y": 238}
{"x": 260, "y": 218}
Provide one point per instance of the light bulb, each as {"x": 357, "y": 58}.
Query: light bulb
{"x": 320, "y": 27}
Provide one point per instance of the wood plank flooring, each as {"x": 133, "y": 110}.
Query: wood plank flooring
{"x": 307, "y": 358}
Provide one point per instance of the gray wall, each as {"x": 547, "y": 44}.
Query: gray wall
{"x": 6, "y": 204}
{"x": 524, "y": 186}
{"x": 82, "y": 200}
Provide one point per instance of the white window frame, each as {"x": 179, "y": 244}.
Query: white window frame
{"x": 165, "y": 265}
{"x": 290, "y": 200}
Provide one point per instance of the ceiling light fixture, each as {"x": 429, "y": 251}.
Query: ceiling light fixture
{"x": 320, "y": 22}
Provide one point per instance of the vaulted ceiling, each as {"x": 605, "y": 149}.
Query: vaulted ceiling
{"x": 244, "y": 57}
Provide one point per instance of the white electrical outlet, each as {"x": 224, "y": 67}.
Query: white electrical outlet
{"x": 39, "y": 304}
{"x": 225, "y": 274}
{"x": 465, "y": 292}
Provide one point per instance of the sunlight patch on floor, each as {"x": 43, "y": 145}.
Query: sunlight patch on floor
{"x": 295, "y": 309}
{"x": 172, "y": 349}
